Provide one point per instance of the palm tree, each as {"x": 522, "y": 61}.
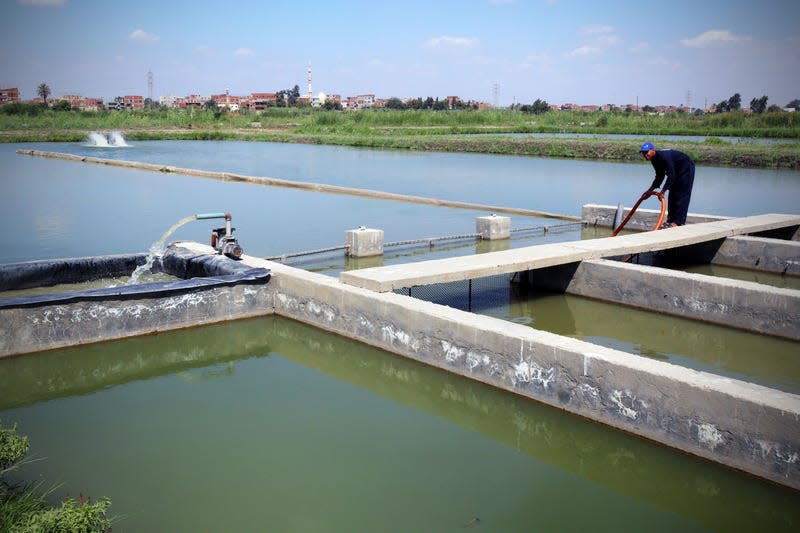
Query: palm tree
{"x": 43, "y": 90}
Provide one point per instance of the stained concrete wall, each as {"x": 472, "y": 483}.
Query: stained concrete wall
{"x": 34, "y": 329}
{"x": 44, "y": 322}
{"x": 742, "y": 425}
{"x": 739, "y": 304}
{"x": 642, "y": 220}
{"x": 758, "y": 253}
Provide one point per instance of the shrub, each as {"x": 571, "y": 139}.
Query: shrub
{"x": 23, "y": 507}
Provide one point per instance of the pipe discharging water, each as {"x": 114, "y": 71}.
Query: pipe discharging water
{"x": 156, "y": 249}
{"x": 222, "y": 240}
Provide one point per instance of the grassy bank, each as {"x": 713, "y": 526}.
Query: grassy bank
{"x": 451, "y": 131}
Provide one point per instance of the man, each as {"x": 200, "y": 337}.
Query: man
{"x": 679, "y": 171}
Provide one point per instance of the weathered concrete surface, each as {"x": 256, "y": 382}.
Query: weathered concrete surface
{"x": 34, "y": 329}
{"x": 363, "y": 242}
{"x": 740, "y": 304}
{"x": 389, "y": 278}
{"x": 742, "y": 425}
{"x": 493, "y": 227}
{"x": 759, "y": 253}
{"x": 43, "y": 322}
{"x": 642, "y": 220}
{"x": 776, "y": 250}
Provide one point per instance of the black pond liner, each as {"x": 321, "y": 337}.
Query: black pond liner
{"x": 199, "y": 272}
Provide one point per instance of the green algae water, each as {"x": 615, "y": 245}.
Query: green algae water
{"x": 761, "y": 359}
{"x": 270, "y": 425}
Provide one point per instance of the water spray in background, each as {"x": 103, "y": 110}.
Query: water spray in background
{"x": 113, "y": 139}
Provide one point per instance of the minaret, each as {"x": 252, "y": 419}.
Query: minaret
{"x": 309, "y": 81}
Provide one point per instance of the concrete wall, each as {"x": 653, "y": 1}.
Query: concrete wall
{"x": 642, "y": 220}
{"x": 34, "y": 329}
{"x": 745, "y": 426}
{"x": 44, "y": 322}
{"x": 758, "y": 253}
{"x": 739, "y": 304}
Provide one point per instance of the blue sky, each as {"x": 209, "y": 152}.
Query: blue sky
{"x": 504, "y": 51}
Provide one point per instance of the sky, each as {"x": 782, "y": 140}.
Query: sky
{"x": 501, "y": 52}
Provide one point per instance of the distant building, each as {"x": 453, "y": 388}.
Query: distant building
{"x": 360, "y": 102}
{"x": 193, "y": 100}
{"x": 82, "y": 103}
{"x": 9, "y": 95}
{"x": 227, "y": 101}
{"x": 168, "y": 101}
{"x": 117, "y": 104}
{"x": 259, "y": 101}
{"x": 133, "y": 102}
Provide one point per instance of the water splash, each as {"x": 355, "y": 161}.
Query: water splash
{"x": 157, "y": 249}
{"x": 112, "y": 139}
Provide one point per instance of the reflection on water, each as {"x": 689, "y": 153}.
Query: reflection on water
{"x": 268, "y": 423}
{"x": 765, "y": 278}
{"x": 769, "y": 361}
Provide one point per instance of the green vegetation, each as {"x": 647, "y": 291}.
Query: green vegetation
{"x": 424, "y": 129}
{"x": 23, "y": 506}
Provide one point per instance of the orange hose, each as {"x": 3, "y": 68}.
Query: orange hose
{"x": 645, "y": 196}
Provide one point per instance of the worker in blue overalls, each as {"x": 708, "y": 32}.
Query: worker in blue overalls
{"x": 679, "y": 171}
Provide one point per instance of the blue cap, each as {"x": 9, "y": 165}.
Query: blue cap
{"x": 646, "y": 147}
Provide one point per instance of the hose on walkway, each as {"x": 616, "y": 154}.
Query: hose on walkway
{"x": 644, "y": 197}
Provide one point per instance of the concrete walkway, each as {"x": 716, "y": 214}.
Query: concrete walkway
{"x": 388, "y": 278}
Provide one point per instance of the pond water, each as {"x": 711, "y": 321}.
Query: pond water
{"x": 268, "y": 424}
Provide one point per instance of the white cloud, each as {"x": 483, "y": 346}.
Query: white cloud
{"x": 584, "y": 51}
{"x": 43, "y": 3}
{"x": 244, "y": 52}
{"x": 607, "y": 40}
{"x": 594, "y": 29}
{"x": 446, "y": 41}
{"x": 206, "y": 51}
{"x": 142, "y": 36}
{"x": 713, "y": 36}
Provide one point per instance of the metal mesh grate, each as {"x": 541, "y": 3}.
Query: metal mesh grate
{"x": 472, "y": 295}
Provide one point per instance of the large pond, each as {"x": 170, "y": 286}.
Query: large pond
{"x": 268, "y": 424}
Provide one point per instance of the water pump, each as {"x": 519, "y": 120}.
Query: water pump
{"x": 222, "y": 239}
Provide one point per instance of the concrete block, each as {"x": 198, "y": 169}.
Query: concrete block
{"x": 493, "y": 227}
{"x": 364, "y": 242}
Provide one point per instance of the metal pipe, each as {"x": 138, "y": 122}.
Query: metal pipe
{"x": 204, "y": 216}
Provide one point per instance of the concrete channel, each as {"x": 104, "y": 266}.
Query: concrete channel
{"x": 745, "y": 426}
